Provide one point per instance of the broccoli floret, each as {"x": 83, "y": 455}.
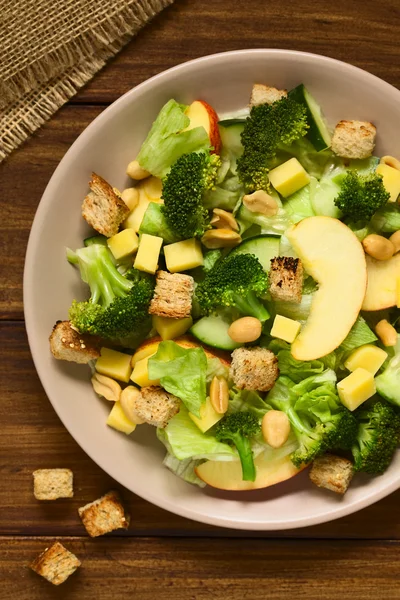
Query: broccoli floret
{"x": 238, "y": 280}
{"x": 360, "y": 196}
{"x": 237, "y": 429}
{"x": 183, "y": 190}
{"x": 268, "y": 126}
{"x": 118, "y": 307}
{"x": 377, "y": 438}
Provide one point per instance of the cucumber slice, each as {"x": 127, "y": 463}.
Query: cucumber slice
{"x": 264, "y": 247}
{"x": 95, "y": 239}
{"x": 213, "y": 331}
{"x": 230, "y": 132}
{"x": 318, "y": 132}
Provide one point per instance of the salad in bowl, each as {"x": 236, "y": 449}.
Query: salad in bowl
{"x": 244, "y": 292}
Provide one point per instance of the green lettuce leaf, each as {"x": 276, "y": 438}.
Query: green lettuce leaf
{"x": 185, "y": 469}
{"x": 247, "y": 401}
{"x": 388, "y": 382}
{"x": 359, "y": 335}
{"x": 166, "y": 141}
{"x": 182, "y": 372}
{"x": 387, "y": 218}
{"x": 298, "y": 206}
{"x": 298, "y": 370}
{"x": 155, "y": 223}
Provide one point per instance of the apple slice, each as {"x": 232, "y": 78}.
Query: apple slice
{"x": 202, "y": 114}
{"x": 227, "y": 475}
{"x": 333, "y": 256}
{"x": 382, "y": 280}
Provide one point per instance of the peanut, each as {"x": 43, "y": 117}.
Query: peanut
{"x": 261, "y": 202}
{"x": 391, "y": 161}
{"x": 386, "y": 333}
{"x": 106, "y": 387}
{"x": 244, "y": 330}
{"x": 222, "y": 219}
{"x": 378, "y": 247}
{"x": 275, "y": 428}
{"x": 395, "y": 239}
{"x": 219, "y": 395}
{"x": 221, "y": 238}
{"x": 135, "y": 171}
{"x": 128, "y": 400}
{"x": 131, "y": 197}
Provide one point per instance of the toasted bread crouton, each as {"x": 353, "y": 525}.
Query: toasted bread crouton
{"x": 254, "y": 369}
{"x": 68, "y": 344}
{"x": 104, "y": 515}
{"x": 156, "y": 406}
{"x": 286, "y": 279}
{"x": 56, "y": 564}
{"x": 354, "y": 139}
{"x": 332, "y": 472}
{"x": 50, "y": 484}
{"x": 103, "y": 208}
{"x": 172, "y": 295}
{"x": 263, "y": 94}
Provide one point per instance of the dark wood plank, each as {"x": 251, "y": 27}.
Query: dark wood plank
{"x": 362, "y": 33}
{"x": 32, "y": 437}
{"x": 200, "y": 569}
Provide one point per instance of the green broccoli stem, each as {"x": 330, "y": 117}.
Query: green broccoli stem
{"x": 251, "y": 306}
{"x": 243, "y": 446}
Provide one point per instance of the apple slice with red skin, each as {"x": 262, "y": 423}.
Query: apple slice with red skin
{"x": 202, "y": 114}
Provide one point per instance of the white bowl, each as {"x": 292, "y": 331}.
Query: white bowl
{"x": 50, "y": 283}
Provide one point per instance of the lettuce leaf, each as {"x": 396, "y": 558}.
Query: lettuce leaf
{"x": 185, "y": 469}
{"x": 247, "y": 400}
{"x": 298, "y": 370}
{"x": 166, "y": 141}
{"x": 359, "y": 335}
{"x": 155, "y": 223}
{"x": 182, "y": 372}
{"x": 387, "y": 383}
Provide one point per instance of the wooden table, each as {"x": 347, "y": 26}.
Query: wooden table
{"x": 163, "y": 555}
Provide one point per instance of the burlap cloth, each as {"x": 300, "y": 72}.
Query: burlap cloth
{"x": 51, "y": 48}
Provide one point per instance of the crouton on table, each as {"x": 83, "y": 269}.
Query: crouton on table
{"x": 156, "y": 406}
{"x": 254, "y": 369}
{"x": 104, "y": 515}
{"x": 263, "y": 94}
{"x": 354, "y": 139}
{"x": 50, "y": 484}
{"x": 332, "y": 473}
{"x": 103, "y": 208}
{"x": 68, "y": 344}
{"x": 286, "y": 279}
{"x": 172, "y": 295}
{"x": 56, "y": 564}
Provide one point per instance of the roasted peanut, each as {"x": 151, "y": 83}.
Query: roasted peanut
{"x": 275, "y": 428}
{"x": 221, "y": 238}
{"x": 131, "y": 197}
{"x": 219, "y": 394}
{"x": 261, "y": 202}
{"x": 106, "y": 387}
{"x": 222, "y": 219}
{"x": 378, "y": 247}
{"x": 386, "y": 333}
{"x": 395, "y": 239}
{"x": 245, "y": 330}
{"x": 128, "y": 400}
{"x": 391, "y": 161}
{"x": 135, "y": 171}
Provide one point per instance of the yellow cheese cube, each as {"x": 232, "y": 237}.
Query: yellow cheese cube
{"x": 285, "y": 329}
{"x": 367, "y": 357}
{"x": 114, "y": 364}
{"x": 398, "y": 292}
{"x": 135, "y": 217}
{"x": 140, "y": 373}
{"x": 148, "y": 253}
{"x": 208, "y": 416}
{"x": 152, "y": 187}
{"x": 391, "y": 180}
{"x": 148, "y": 350}
{"x": 356, "y": 388}
{"x": 183, "y": 256}
{"x": 123, "y": 244}
{"x": 118, "y": 420}
{"x": 289, "y": 177}
{"x": 170, "y": 329}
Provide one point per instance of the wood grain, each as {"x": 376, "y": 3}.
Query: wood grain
{"x": 201, "y": 569}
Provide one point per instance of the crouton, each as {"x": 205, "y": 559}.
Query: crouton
{"x": 354, "y": 139}
{"x": 263, "y": 94}
{"x": 172, "y": 295}
{"x": 103, "y": 208}
{"x": 332, "y": 473}
{"x": 50, "y": 484}
{"x": 254, "y": 369}
{"x": 56, "y": 564}
{"x": 156, "y": 406}
{"x": 104, "y": 515}
{"x": 68, "y": 344}
{"x": 286, "y": 279}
